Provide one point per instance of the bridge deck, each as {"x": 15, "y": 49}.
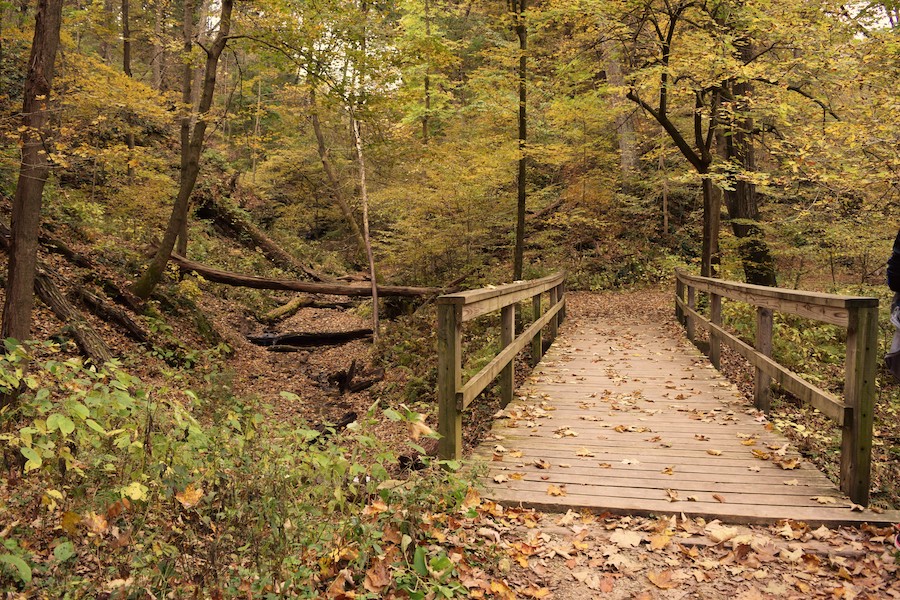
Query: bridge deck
{"x": 629, "y": 418}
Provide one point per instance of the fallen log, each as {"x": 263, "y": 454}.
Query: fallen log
{"x": 235, "y": 225}
{"x": 292, "y": 285}
{"x": 113, "y": 314}
{"x": 301, "y": 339}
{"x": 85, "y": 336}
{"x": 290, "y": 309}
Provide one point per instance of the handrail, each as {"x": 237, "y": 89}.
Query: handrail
{"x": 454, "y": 396}
{"x": 859, "y": 315}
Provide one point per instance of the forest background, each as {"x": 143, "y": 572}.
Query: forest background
{"x": 434, "y": 144}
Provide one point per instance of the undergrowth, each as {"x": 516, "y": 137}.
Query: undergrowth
{"x": 117, "y": 490}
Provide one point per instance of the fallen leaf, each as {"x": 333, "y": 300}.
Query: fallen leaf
{"x": 760, "y": 454}
{"x": 418, "y": 428}
{"x": 190, "y": 496}
{"x": 517, "y": 476}
{"x": 792, "y": 482}
{"x": 501, "y": 478}
{"x": 788, "y": 464}
{"x": 719, "y": 533}
{"x": 604, "y": 465}
{"x": 515, "y": 454}
{"x": 749, "y": 442}
{"x": 553, "y": 490}
{"x": 535, "y": 592}
{"x": 584, "y": 452}
{"x": 754, "y": 469}
{"x": 712, "y": 452}
{"x": 377, "y": 507}
{"x": 659, "y": 542}
{"x": 663, "y": 581}
{"x": 668, "y": 470}
{"x": 96, "y": 523}
{"x": 630, "y": 461}
{"x": 672, "y": 495}
{"x": 377, "y": 577}
{"x": 624, "y": 538}
{"x": 719, "y": 497}
{"x": 541, "y": 464}
{"x": 825, "y": 499}
{"x": 701, "y": 438}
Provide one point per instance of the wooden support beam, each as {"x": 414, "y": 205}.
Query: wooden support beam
{"x": 507, "y": 333}
{"x": 859, "y": 395}
{"x": 449, "y": 335}
{"x": 762, "y": 381}
{"x": 715, "y": 316}
{"x": 537, "y": 348}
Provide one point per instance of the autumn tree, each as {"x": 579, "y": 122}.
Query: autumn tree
{"x": 193, "y": 133}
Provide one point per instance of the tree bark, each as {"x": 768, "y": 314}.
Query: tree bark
{"x": 303, "y": 338}
{"x": 192, "y": 145}
{"x": 522, "y": 34}
{"x": 126, "y": 68}
{"x": 628, "y": 158}
{"x": 33, "y": 172}
{"x": 158, "y": 47}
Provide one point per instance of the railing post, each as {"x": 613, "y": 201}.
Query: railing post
{"x": 715, "y": 317}
{"x": 554, "y": 322}
{"x": 859, "y": 395}
{"x": 448, "y": 380}
{"x": 763, "y": 382}
{"x": 507, "y": 334}
{"x": 537, "y": 348}
{"x": 679, "y": 293}
{"x": 689, "y": 324}
{"x": 561, "y": 296}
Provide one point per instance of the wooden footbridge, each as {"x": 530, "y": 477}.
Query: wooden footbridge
{"x": 627, "y": 416}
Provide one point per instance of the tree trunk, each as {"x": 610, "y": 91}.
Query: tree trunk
{"x": 293, "y": 285}
{"x": 742, "y": 201}
{"x": 33, "y": 171}
{"x": 158, "y": 47}
{"x": 427, "y": 113}
{"x": 333, "y": 178}
{"x": 712, "y": 208}
{"x": 364, "y": 196}
{"x": 628, "y": 158}
{"x": 126, "y": 68}
{"x": 190, "y": 158}
{"x": 522, "y": 34}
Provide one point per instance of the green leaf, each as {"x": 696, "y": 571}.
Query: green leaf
{"x": 95, "y": 426}
{"x": 78, "y": 409}
{"x": 64, "y": 552}
{"x": 21, "y": 567}
{"x": 66, "y": 426}
{"x": 34, "y": 459}
{"x": 392, "y": 414}
{"x": 419, "y": 562}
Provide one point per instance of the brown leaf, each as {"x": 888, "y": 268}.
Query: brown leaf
{"x": 418, "y": 428}
{"x": 515, "y": 454}
{"x": 604, "y": 465}
{"x": 584, "y": 452}
{"x": 501, "y": 478}
{"x": 535, "y": 592}
{"x": 719, "y": 497}
{"x": 70, "y": 522}
{"x": 663, "y": 581}
{"x": 517, "y": 476}
{"x": 760, "y": 454}
{"x": 788, "y": 463}
{"x": 96, "y": 523}
{"x": 376, "y": 508}
{"x": 541, "y": 463}
{"x": 337, "y": 589}
{"x": 672, "y": 495}
{"x": 624, "y": 538}
{"x": 825, "y": 499}
{"x": 659, "y": 542}
{"x": 668, "y": 470}
{"x": 472, "y": 499}
{"x": 377, "y": 577}
{"x": 712, "y": 452}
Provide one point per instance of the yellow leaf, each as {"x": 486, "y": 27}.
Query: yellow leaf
{"x": 659, "y": 542}
{"x": 96, "y": 523}
{"x": 190, "y": 496}
{"x": 662, "y": 580}
{"x": 555, "y": 491}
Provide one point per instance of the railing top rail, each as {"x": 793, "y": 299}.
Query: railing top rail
{"x": 487, "y": 293}
{"x": 812, "y": 298}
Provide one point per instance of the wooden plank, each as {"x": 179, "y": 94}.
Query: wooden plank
{"x": 741, "y": 514}
{"x": 472, "y": 296}
{"x": 659, "y": 493}
{"x": 449, "y": 335}
{"x": 790, "y": 381}
{"x": 859, "y": 390}
{"x": 755, "y": 294}
{"x": 468, "y": 392}
{"x": 762, "y": 381}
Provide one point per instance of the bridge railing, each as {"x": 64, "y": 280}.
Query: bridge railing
{"x": 859, "y": 315}
{"x": 454, "y": 395}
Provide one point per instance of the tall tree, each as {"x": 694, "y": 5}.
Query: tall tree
{"x": 33, "y": 172}
{"x": 193, "y": 133}
{"x": 518, "y": 7}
